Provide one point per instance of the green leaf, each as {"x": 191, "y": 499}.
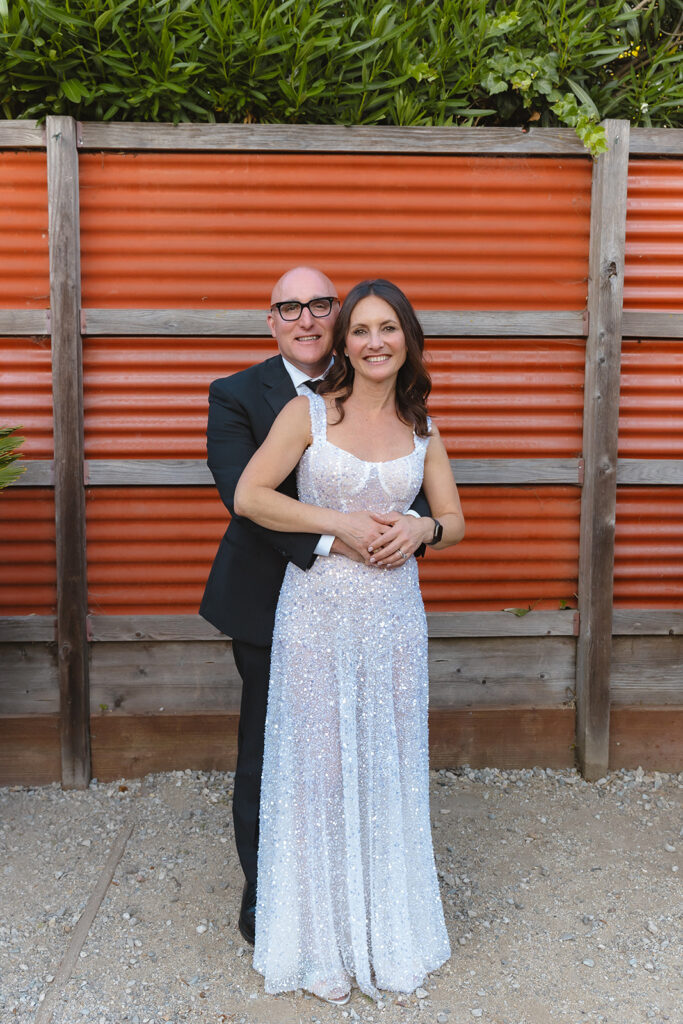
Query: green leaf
{"x": 73, "y": 90}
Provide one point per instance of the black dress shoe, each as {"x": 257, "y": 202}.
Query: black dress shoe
{"x": 247, "y": 921}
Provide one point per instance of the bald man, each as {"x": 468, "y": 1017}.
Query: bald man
{"x": 244, "y": 584}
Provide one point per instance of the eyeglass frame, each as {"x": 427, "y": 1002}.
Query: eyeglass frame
{"x": 305, "y": 305}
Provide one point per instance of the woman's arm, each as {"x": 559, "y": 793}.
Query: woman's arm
{"x": 442, "y": 493}
{"x": 257, "y": 499}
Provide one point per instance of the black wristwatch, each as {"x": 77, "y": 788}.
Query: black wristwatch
{"x": 438, "y": 533}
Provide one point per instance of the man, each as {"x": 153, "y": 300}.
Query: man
{"x": 243, "y": 586}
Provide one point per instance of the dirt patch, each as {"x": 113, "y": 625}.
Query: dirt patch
{"x": 562, "y": 902}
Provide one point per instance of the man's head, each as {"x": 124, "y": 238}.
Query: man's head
{"x": 307, "y": 341}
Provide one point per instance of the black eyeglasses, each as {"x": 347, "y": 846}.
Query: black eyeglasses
{"x": 317, "y": 307}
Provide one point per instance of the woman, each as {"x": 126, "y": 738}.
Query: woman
{"x": 347, "y": 886}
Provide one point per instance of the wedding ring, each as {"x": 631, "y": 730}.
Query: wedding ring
{"x": 402, "y": 555}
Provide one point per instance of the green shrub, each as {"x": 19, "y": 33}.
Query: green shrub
{"x": 401, "y": 62}
{"x": 9, "y": 472}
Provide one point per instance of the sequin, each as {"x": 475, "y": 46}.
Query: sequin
{"x": 347, "y": 886}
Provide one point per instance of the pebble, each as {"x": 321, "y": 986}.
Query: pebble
{"x": 476, "y": 1012}
{"x": 201, "y": 928}
{"x": 442, "y": 1018}
{"x": 421, "y": 993}
{"x": 588, "y": 962}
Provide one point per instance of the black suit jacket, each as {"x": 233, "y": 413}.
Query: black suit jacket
{"x": 244, "y": 583}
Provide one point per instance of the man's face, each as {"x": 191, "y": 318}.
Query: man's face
{"x": 306, "y": 342}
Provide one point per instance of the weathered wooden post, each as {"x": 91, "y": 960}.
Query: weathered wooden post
{"x": 600, "y": 438}
{"x": 67, "y": 387}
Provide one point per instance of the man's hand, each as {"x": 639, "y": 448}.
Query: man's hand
{"x": 403, "y": 535}
{"x": 362, "y": 532}
{"x": 340, "y": 548}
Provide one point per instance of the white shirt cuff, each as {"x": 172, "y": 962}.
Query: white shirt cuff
{"x": 324, "y": 544}
{"x": 412, "y": 512}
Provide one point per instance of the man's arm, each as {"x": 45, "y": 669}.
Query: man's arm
{"x": 230, "y": 444}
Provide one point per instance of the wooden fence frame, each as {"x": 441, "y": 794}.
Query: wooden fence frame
{"x": 604, "y": 323}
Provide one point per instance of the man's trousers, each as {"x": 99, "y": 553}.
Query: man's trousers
{"x": 253, "y": 665}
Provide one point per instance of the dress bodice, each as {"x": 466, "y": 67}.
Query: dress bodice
{"x": 331, "y": 477}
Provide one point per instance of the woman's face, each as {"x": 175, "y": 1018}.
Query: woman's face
{"x": 375, "y": 342}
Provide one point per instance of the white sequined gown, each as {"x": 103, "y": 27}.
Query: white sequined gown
{"x": 347, "y": 886}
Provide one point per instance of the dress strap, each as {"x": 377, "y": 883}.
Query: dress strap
{"x": 318, "y": 411}
{"x": 421, "y": 443}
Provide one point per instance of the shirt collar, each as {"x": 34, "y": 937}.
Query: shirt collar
{"x": 298, "y": 376}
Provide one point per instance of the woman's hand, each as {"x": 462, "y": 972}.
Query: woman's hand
{"x": 402, "y": 536}
{"x": 361, "y": 531}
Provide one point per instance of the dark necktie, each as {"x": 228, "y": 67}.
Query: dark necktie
{"x": 313, "y": 384}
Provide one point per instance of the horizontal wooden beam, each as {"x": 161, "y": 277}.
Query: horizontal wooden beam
{"x": 22, "y": 135}
{"x": 646, "y": 670}
{"x": 647, "y": 622}
{"x": 656, "y": 142}
{"x": 186, "y": 676}
{"x": 494, "y": 472}
{"x": 501, "y": 624}
{"x": 122, "y": 628}
{"x": 20, "y": 323}
{"x": 640, "y": 323}
{"x": 286, "y": 138}
{"x": 27, "y": 628}
{"x": 188, "y": 472}
{"x": 251, "y": 323}
{"x": 517, "y": 471}
{"x": 503, "y": 323}
{"x": 29, "y": 750}
{"x": 625, "y": 622}
{"x": 440, "y": 624}
{"x": 39, "y": 473}
{"x": 147, "y": 472}
{"x": 653, "y": 472}
{"x": 651, "y": 737}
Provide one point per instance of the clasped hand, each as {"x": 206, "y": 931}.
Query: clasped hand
{"x": 385, "y": 540}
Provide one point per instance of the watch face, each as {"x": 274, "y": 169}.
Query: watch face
{"x": 438, "y": 532}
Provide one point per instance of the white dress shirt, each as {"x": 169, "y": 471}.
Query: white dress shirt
{"x": 299, "y": 379}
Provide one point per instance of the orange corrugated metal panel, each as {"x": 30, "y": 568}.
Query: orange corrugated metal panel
{"x": 648, "y": 557}
{"x": 27, "y": 552}
{"x": 26, "y": 392}
{"x": 216, "y": 230}
{"x": 521, "y": 548}
{"x": 654, "y": 235}
{"x": 147, "y": 397}
{"x": 24, "y": 266}
{"x": 150, "y": 549}
{"x": 505, "y": 398}
{"x": 651, "y": 400}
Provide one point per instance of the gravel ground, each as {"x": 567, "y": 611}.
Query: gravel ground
{"x": 562, "y": 899}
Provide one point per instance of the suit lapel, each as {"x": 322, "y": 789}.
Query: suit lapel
{"x": 278, "y": 387}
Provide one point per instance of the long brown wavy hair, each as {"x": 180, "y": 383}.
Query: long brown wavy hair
{"x": 413, "y": 383}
